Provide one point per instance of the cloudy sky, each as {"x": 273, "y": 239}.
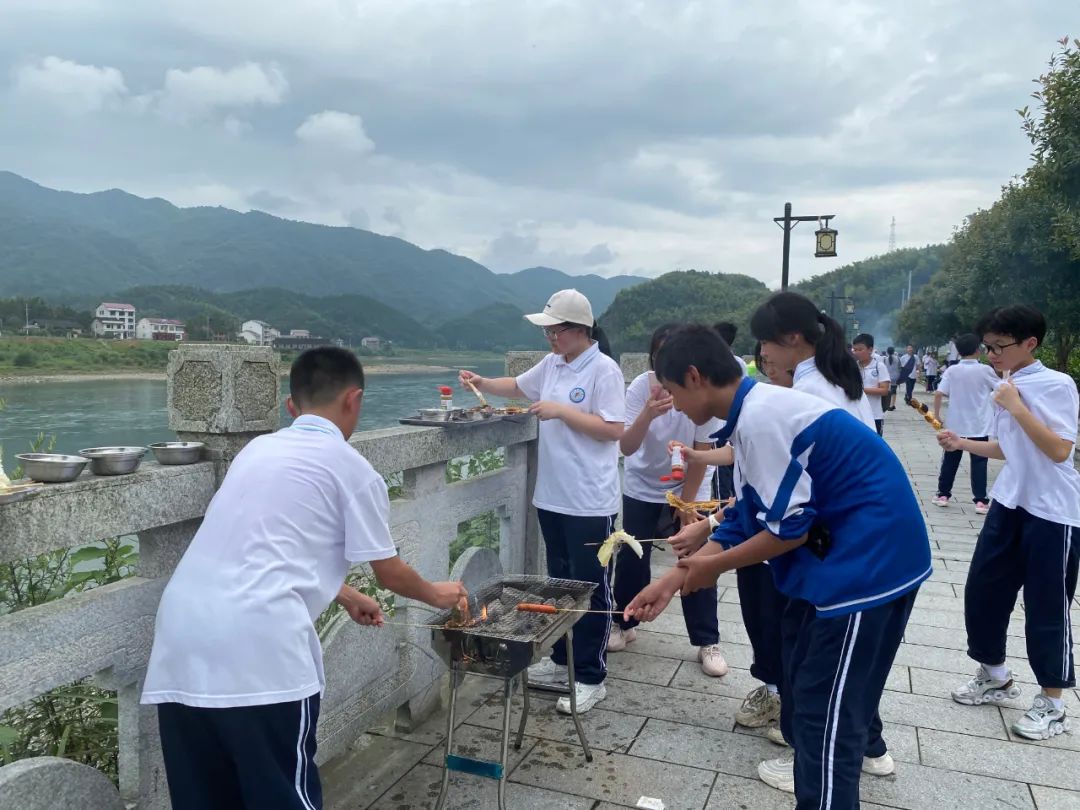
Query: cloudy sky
{"x": 589, "y": 135}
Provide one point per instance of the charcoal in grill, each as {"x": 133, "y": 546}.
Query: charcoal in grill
{"x": 565, "y": 602}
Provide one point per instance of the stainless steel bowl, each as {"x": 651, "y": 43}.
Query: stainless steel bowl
{"x": 436, "y": 414}
{"x": 177, "y": 452}
{"x": 51, "y": 468}
{"x": 114, "y": 460}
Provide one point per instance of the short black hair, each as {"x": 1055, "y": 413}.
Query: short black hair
{"x": 700, "y": 347}
{"x": 318, "y": 375}
{"x": 1018, "y": 321}
{"x": 659, "y": 335}
{"x": 865, "y": 339}
{"x": 727, "y": 330}
{"x": 968, "y": 344}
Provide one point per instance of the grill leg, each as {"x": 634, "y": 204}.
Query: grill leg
{"x": 454, "y": 678}
{"x": 573, "y": 693}
{"x": 508, "y": 691}
{"x": 524, "y": 709}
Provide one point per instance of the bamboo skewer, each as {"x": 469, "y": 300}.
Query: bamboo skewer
{"x": 476, "y": 391}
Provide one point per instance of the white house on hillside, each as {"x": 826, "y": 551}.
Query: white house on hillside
{"x": 258, "y": 333}
{"x": 159, "y": 329}
{"x": 114, "y": 321}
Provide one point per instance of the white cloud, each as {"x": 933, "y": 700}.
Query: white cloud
{"x": 331, "y": 129}
{"x": 74, "y": 88}
{"x": 198, "y": 93}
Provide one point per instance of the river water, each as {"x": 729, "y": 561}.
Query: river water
{"x": 94, "y": 413}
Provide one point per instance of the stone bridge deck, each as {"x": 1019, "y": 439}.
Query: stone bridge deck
{"x": 666, "y": 730}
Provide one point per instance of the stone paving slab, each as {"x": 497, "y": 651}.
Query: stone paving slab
{"x": 667, "y": 730}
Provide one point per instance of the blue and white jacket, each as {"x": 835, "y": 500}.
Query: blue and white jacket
{"x": 804, "y": 466}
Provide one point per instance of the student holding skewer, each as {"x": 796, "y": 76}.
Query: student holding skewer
{"x": 817, "y": 498}
{"x": 577, "y": 393}
{"x": 652, "y": 427}
{"x": 236, "y": 669}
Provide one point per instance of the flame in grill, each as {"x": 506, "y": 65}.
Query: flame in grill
{"x": 483, "y": 614}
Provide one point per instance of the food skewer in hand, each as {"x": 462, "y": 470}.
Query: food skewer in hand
{"x": 475, "y": 390}
{"x": 530, "y": 607}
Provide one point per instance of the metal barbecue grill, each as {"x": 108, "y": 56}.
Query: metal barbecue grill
{"x": 502, "y": 643}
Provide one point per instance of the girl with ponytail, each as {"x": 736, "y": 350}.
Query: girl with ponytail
{"x": 808, "y": 343}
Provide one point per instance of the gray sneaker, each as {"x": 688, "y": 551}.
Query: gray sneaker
{"x": 984, "y": 689}
{"x": 546, "y": 672}
{"x": 1042, "y": 721}
{"x": 758, "y": 709}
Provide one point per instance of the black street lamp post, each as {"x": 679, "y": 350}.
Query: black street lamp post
{"x": 825, "y": 238}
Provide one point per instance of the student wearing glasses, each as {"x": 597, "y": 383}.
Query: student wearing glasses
{"x": 578, "y": 395}
{"x": 1027, "y": 541}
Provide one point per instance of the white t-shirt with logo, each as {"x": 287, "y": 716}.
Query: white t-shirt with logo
{"x": 1030, "y": 479}
{"x": 642, "y": 469}
{"x": 808, "y": 378}
{"x": 576, "y": 474}
{"x": 968, "y": 385}
{"x": 874, "y": 373}
{"x": 235, "y": 626}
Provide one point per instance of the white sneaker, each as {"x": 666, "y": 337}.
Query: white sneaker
{"x": 984, "y": 689}
{"x": 587, "y": 694}
{"x": 941, "y": 500}
{"x": 549, "y": 673}
{"x": 1042, "y": 721}
{"x": 982, "y": 508}
{"x": 618, "y": 638}
{"x": 712, "y": 661}
{"x": 778, "y": 773}
{"x": 759, "y": 708}
{"x": 879, "y": 766}
{"x": 776, "y": 736}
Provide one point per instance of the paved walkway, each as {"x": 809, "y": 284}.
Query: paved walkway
{"x": 666, "y": 730}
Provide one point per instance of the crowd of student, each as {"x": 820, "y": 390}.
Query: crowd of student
{"x": 822, "y": 529}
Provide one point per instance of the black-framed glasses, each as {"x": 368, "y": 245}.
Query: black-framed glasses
{"x": 553, "y": 332}
{"x": 997, "y": 350}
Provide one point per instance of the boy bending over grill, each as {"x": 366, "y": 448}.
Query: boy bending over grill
{"x": 816, "y": 497}
{"x": 236, "y": 668}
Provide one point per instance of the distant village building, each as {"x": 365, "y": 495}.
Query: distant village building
{"x": 299, "y": 333}
{"x": 159, "y": 329}
{"x": 258, "y": 333}
{"x": 114, "y": 321}
{"x": 373, "y": 343}
{"x": 299, "y": 344}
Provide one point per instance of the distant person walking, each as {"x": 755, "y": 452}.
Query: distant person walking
{"x": 909, "y": 366}
{"x": 875, "y": 377}
{"x": 930, "y": 371}
{"x": 892, "y": 363}
{"x": 952, "y": 354}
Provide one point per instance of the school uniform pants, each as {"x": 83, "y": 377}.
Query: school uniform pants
{"x": 879, "y": 425}
{"x": 931, "y": 383}
{"x": 950, "y": 463}
{"x": 241, "y": 758}
{"x": 657, "y": 520}
{"x": 835, "y": 671}
{"x": 724, "y": 483}
{"x": 762, "y": 607}
{"x": 1018, "y": 550}
{"x": 568, "y": 557}
{"x": 909, "y": 389}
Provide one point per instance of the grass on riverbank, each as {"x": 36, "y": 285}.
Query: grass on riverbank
{"x": 20, "y": 356}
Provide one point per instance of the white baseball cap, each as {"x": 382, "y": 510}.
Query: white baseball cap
{"x": 565, "y": 306}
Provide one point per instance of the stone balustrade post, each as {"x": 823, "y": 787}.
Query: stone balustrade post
{"x": 223, "y": 396}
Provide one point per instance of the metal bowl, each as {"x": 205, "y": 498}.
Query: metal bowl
{"x": 177, "y": 452}
{"x": 114, "y": 460}
{"x": 436, "y": 414}
{"x": 51, "y": 468}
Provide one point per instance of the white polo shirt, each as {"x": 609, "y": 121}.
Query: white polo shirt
{"x": 930, "y": 366}
{"x": 1030, "y": 479}
{"x": 873, "y": 373}
{"x": 642, "y": 470}
{"x": 968, "y": 385}
{"x": 576, "y": 474}
{"x": 235, "y": 626}
{"x": 807, "y": 378}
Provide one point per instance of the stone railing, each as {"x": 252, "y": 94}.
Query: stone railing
{"x": 224, "y": 396}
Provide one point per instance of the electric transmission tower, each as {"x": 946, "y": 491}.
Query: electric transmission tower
{"x": 892, "y": 235}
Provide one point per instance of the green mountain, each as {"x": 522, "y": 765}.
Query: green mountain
{"x": 78, "y": 248}
{"x": 533, "y": 286}
{"x": 499, "y": 327}
{"x": 874, "y": 285}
